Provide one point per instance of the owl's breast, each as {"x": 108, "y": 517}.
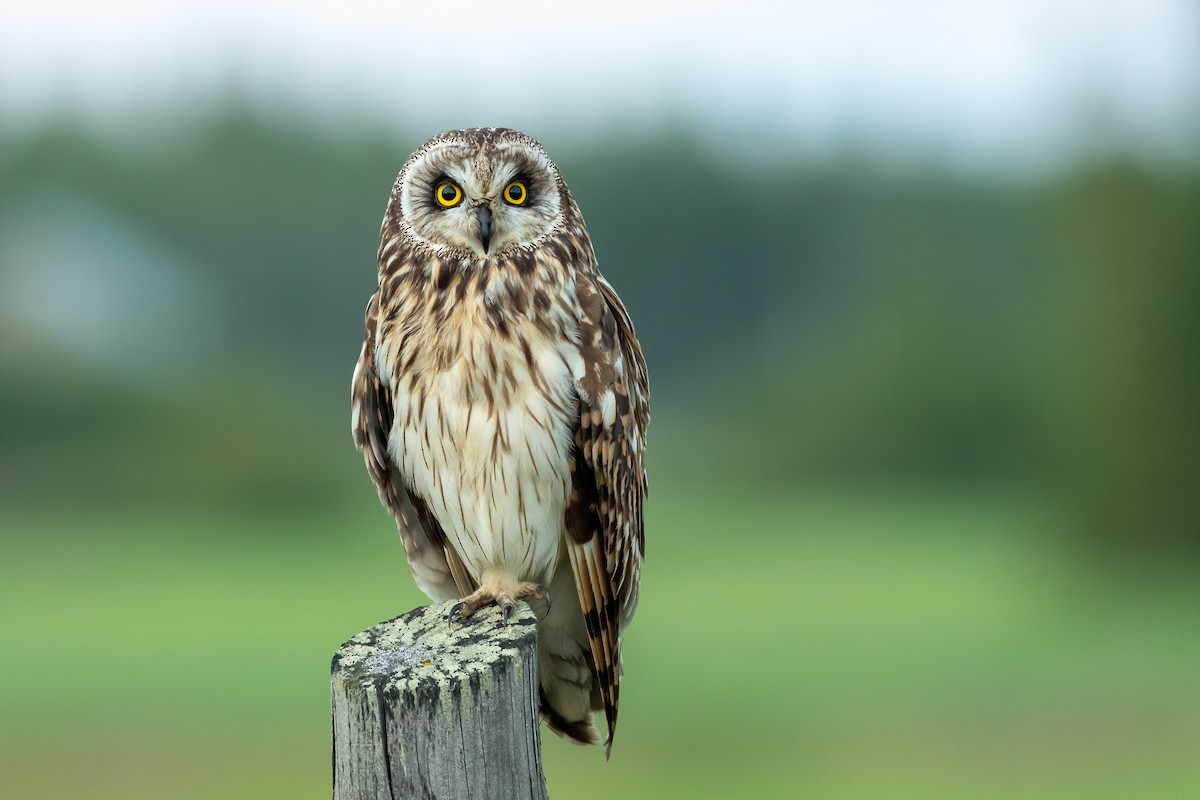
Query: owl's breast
{"x": 483, "y": 430}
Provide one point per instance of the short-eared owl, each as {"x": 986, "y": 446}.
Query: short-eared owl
{"x": 501, "y": 403}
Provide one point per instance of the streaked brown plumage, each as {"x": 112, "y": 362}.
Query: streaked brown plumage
{"x": 501, "y": 403}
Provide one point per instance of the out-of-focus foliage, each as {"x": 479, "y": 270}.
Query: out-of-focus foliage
{"x": 829, "y": 323}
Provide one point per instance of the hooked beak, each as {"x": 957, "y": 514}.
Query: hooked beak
{"x": 485, "y": 225}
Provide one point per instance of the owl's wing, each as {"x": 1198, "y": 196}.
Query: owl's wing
{"x": 435, "y": 565}
{"x": 608, "y": 478}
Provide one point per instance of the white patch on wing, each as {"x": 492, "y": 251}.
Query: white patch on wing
{"x": 577, "y": 367}
{"x": 608, "y": 407}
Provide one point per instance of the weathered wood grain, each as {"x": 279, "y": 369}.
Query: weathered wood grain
{"x": 425, "y": 708}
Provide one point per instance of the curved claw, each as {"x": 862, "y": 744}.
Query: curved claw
{"x": 454, "y": 610}
{"x": 505, "y": 610}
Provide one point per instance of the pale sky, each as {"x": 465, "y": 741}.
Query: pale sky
{"x": 974, "y": 79}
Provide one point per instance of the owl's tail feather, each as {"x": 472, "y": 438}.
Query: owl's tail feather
{"x": 581, "y": 732}
{"x": 568, "y": 691}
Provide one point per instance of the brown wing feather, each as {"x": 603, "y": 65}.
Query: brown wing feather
{"x": 436, "y": 567}
{"x": 604, "y": 515}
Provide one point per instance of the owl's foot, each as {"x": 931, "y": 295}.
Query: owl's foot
{"x": 505, "y": 596}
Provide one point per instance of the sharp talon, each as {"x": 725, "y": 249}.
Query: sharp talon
{"x": 505, "y": 610}
{"x": 549, "y": 605}
{"x": 454, "y": 610}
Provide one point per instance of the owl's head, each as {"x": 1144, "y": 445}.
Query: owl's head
{"x": 479, "y": 192}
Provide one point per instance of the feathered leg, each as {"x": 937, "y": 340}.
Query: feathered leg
{"x": 498, "y": 589}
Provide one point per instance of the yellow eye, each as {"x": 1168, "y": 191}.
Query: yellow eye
{"x": 516, "y": 193}
{"x": 448, "y": 194}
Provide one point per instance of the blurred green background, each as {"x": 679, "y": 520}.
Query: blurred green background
{"x": 924, "y": 455}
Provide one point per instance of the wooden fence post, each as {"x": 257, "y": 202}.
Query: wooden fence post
{"x": 425, "y": 708}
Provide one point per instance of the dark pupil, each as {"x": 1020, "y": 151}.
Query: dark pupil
{"x": 448, "y": 193}
{"x": 514, "y": 192}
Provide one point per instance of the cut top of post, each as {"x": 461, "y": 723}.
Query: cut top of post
{"x": 426, "y": 707}
{"x": 425, "y": 647}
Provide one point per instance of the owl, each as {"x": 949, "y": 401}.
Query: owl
{"x": 501, "y": 402}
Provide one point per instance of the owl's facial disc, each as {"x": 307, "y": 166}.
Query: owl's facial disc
{"x": 457, "y": 196}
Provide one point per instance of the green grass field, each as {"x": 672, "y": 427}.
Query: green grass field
{"x": 824, "y": 647}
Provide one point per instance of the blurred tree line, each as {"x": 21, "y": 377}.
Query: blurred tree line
{"x": 847, "y": 321}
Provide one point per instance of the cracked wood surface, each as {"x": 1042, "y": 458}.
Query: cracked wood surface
{"x": 425, "y": 708}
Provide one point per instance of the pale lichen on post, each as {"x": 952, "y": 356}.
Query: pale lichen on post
{"x": 426, "y": 706}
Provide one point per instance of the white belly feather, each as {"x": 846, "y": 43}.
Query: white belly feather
{"x": 488, "y": 449}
